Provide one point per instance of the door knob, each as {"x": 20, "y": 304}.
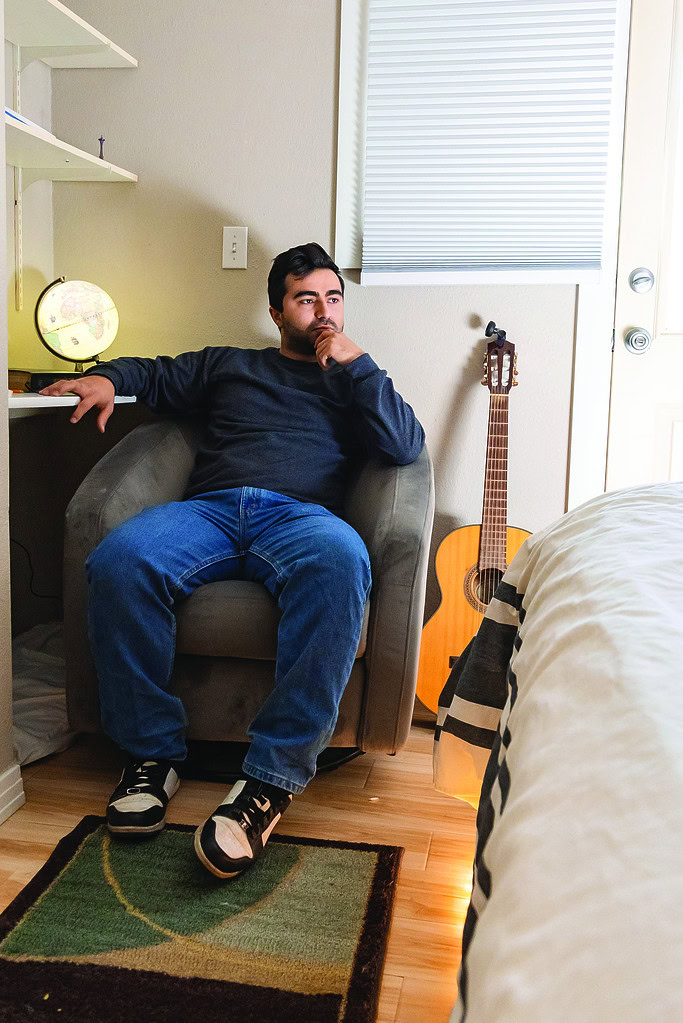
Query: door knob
{"x": 638, "y": 340}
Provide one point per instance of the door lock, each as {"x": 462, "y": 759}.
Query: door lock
{"x": 641, "y": 279}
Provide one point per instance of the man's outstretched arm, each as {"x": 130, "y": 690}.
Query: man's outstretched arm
{"x": 165, "y": 384}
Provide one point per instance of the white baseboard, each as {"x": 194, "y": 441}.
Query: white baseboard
{"x": 11, "y": 792}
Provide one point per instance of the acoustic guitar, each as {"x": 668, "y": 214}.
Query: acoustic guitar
{"x": 471, "y": 560}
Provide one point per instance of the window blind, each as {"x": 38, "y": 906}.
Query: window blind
{"x": 488, "y": 127}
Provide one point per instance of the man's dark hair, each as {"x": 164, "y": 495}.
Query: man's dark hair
{"x": 299, "y": 262}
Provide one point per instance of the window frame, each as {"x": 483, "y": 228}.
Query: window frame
{"x": 351, "y": 167}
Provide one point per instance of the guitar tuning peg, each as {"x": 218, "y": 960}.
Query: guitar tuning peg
{"x": 484, "y": 381}
{"x": 515, "y": 383}
{"x": 515, "y": 372}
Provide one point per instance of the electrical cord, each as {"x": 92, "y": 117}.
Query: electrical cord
{"x": 335, "y": 756}
{"x": 210, "y": 760}
{"x": 43, "y": 596}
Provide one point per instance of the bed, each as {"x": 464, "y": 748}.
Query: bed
{"x": 567, "y": 709}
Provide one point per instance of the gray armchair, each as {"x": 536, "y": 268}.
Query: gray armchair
{"x": 227, "y": 631}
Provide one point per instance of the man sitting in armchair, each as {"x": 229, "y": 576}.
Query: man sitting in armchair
{"x": 284, "y": 428}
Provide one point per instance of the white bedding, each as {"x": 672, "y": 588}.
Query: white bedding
{"x": 581, "y": 820}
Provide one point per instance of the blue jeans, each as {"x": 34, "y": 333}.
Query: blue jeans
{"x": 312, "y": 562}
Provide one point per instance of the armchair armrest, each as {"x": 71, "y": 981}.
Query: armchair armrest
{"x": 392, "y": 507}
{"x": 151, "y": 465}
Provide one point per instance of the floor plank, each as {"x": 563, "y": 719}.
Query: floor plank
{"x": 374, "y": 798}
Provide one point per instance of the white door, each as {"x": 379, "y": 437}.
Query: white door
{"x": 646, "y": 408}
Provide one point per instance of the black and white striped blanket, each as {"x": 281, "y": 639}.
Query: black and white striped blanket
{"x": 481, "y": 686}
{"x": 567, "y": 708}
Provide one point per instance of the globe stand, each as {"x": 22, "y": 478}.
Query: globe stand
{"x": 78, "y": 367}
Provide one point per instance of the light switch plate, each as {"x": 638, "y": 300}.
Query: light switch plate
{"x": 235, "y": 248}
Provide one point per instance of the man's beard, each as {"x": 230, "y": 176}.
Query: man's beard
{"x": 297, "y": 341}
{"x": 302, "y": 342}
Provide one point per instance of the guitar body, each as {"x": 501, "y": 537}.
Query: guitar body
{"x": 457, "y": 618}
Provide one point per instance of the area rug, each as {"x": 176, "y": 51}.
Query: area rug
{"x": 116, "y": 931}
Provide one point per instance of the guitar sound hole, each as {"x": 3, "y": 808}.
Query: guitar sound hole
{"x": 487, "y": 584}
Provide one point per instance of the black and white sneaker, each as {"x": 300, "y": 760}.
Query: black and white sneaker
{"x": 138, "y": 803}
{"x": 236, "y": 832}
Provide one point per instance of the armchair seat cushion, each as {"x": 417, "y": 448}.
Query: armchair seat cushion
{"x": 235, "y": 618}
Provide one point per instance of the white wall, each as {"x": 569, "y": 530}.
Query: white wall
{"x": 231, "y": 119}
{"x": 11, "y": 790}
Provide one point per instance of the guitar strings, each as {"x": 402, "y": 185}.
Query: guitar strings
{"x": 501, "y": 499}
{"x": 493, "y": 499}
{"x": 500, "y": 491}
{"x": 483, "y": 589}
{"x": 493, "y": 508}
{"x": 485, "y": 554}
{"x": 494, "y": 532}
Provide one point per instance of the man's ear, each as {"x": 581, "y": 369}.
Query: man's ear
{"x": 276, "y": 317}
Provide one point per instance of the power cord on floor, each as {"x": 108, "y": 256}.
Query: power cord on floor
{"x": 43, "y": 596}
{"x": 222, "y": 761}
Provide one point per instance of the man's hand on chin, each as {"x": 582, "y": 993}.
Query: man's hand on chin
{"x": 332, "y": 344}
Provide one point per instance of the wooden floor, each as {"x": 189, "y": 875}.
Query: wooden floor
{"x": 375, "y": 798}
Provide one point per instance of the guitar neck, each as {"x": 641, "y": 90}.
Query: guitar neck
{"x": 493, "y": 543}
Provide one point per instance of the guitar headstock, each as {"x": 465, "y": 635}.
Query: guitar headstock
{"x": 500, "y": 361}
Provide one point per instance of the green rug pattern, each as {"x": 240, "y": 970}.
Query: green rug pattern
{"x": 301, "y": 933}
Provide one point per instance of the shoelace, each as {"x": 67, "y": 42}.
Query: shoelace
{"x": 143, "y": 780}
{"x": 248, "y": 806}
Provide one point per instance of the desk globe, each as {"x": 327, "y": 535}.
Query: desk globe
{"x": 76, "y": 320}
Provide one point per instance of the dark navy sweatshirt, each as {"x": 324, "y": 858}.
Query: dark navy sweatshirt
{"x": 273, "y": 422}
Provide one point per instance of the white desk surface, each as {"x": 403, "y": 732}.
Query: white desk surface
{"x": 30, "y": 404}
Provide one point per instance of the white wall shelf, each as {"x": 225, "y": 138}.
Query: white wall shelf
{"x": 47, "y": 30}
{"x": 42, "y": 155}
